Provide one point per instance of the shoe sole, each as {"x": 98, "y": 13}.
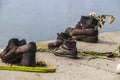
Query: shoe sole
{"x": 65, "y": 55}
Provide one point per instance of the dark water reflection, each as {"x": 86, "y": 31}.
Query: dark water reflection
{"x": 39, "y": 20}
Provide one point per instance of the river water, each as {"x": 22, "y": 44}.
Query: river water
{"x": 40, "y": 20}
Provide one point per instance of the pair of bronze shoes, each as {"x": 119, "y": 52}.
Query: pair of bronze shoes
{"x": 19, "y": 52}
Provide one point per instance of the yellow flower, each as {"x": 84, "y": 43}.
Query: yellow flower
{"x": 92, "y": 14}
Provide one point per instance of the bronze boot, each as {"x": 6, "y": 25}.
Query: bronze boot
{"x": 59, "y": 41}
{"x": 8, "y": 55}
{"x": 28, "y": 52}
{"x": 67, "y": 49}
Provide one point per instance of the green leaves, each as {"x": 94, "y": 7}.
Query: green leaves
{"x": 102, "y": 19}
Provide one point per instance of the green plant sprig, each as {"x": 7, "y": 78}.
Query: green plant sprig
{"x": 93, "y": 54}
{"x": 102, "y": 19}
{"x": 28, "y": 69}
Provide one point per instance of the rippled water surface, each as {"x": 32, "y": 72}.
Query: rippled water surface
{"x": 40, "y": 20}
